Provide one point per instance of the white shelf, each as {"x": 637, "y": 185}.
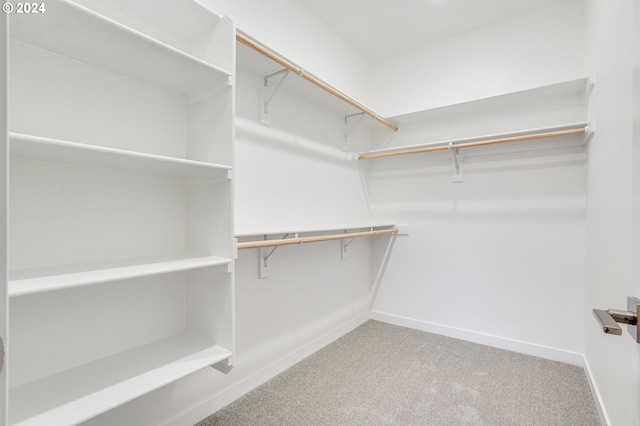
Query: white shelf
{"x": 574, "y": 92}
{"x": 249, "y": 60}
{"x": 308, "y": 229}
{"x": 37, "y": 280}
{"x": 560, "y": 127}
{"x": 53, "y": 150}
{"x": 99, "y": 41}
{"x": 73, "y": 396}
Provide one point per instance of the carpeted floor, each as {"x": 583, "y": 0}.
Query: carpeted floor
{"x": 381, "y": 374}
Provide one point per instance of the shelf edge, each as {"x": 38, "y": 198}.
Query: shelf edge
{"x": 102, "y": 150}
{"x": 69, "y": 411}
{"x": 38, "y": 285}
{"x": 274, "y": 231}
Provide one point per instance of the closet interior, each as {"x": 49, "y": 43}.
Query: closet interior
{"x": 168, "y": 173}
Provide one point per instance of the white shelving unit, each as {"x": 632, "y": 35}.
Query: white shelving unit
{"x": 120, "y": 210}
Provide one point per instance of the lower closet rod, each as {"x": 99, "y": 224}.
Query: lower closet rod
{"x": 520, "y": 138}
{"x": 314, "y": 239}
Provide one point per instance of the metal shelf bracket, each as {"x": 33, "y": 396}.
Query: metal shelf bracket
{"x": 347, "y": 130}
{"x": 344, "y": 244}
{"x": 266, "y": 95}
{"x": 589, "y": 85}
{"x": 457, "y": 164}
{"x": 265, "y": 254}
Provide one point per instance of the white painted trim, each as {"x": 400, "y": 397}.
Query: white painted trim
{"x": 212, "y": 404}
{"x": 604, "y": 417}
{"x": 527, "y": 348}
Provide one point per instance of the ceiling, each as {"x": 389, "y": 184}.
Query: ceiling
{"x": 375, "y": 28}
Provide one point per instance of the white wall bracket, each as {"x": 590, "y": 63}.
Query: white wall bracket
{"x": 590, "y": 129}
{"x": 457, "y": 164}
{"x": 348, "y": 130}
{"x": 267, "y": 95}
{"x": 344, "y": 244}
{"x": 265, "y": 254}
{"x": 403, "y": 230}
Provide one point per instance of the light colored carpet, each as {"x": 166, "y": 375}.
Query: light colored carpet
{"x": 381, "y": 374}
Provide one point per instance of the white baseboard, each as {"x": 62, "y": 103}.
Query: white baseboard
{"x": 540, "y": 351}
{"x": 212, "y": 404}
{"x": 604, "y": 417}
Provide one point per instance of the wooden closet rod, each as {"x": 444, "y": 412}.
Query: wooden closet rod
{"x": 519, "y": 138}
{"x": 315, "y": 239}
{"x": 260, "y": 48}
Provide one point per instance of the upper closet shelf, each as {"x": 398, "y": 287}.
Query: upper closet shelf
{"x": 53, "y": 150}
{"x": 300, "y": 71}
{"x": 560, "y": 94}
{"x": 94, "y": 39}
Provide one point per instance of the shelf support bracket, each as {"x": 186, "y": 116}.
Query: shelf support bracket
{"x": 591, "y": 82}
{"x": 344, "y": 244}
{"x": 347, "y": 130}
{"x": 265, "y": 254}
{"x": 266, "y": 95}
{"x": 457, "y": 164}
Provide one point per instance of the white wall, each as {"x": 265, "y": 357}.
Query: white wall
{"x": 4, "y": 40}
{"x": 294, "y": 173}
{"x": 610, "y": 242}
{"x": 529, "y": 50}
{"x": 499, "y": 258}
{"x": 636, "y": 193}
